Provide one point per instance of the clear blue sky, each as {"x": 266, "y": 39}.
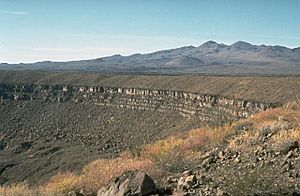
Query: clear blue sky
{"x": 36, "y": 30}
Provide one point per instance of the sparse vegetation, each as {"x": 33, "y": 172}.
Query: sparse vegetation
{"x": 254, "y": 181}
{"x": 100, "y": 172}
{"x": 166, "y": 154}
{"x": 61, "y": 183}
{"x": 20, "y": 189}
{"x": 184, "y": 150}
{"x": 94, "y": 175}
{"x": 278, "y": 125}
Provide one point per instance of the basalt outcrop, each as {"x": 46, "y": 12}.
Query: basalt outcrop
{"x": 207, "y": 108}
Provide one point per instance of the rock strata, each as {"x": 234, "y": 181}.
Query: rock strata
{"x": 207, "y": 108}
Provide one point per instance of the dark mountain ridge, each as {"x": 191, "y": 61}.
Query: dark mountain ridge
{"x": 210, "y": 58}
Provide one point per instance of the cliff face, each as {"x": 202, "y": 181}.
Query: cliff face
{"x": 260, "y": 89}
{"x": 208, "y": 108}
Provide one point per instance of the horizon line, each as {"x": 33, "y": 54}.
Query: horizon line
{"x": 135, "y": 53}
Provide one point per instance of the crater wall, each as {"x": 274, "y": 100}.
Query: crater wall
{"x": 208, "y": 108}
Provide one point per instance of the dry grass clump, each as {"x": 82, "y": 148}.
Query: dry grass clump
{"x": 61, "y": 184}
{"x": 271, "y": 127}
{"x": 293, "y": 134}
{"x": 269, "y": 115}
{"x": 243, "y": 140}
{"x": 290, "y": 112}
{"x": 179, "y": 152}
{"x": 58, "y": 185}
{"x": 94, "y": 176}
{"x": 166, "y": 153}
{"x": 21, "y": 189}
{"x": 198, "y": 139}
{"x": 282, "y": 138}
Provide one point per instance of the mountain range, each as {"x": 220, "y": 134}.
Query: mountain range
{"x": 208, "y": 58}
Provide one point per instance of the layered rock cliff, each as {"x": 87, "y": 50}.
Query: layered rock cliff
{"x": 208, "y": 108}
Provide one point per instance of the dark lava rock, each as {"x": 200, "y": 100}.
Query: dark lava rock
{"x": 289, "y": 145}
{"x": 24, "y": 146}
{"x": 2, "y": 146}
{"x": 130, "y": 183}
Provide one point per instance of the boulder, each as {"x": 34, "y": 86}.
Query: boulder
{"x": 186, "y": 183}
{"x": 220, "y": 192}
{"x": 129, "y": 183}
{"x": 289, "y": 145}
{"x": 190, "y": 181}
{"x": 74, "y": 193}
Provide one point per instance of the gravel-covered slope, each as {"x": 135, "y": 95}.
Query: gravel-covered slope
{"x": 40, "y": 138}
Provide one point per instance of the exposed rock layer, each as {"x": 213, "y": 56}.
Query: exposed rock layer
{"x": 260, "y": 89}
{"x": 207, "y": 108}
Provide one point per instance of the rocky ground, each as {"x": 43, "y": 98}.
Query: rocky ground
{"x": 40, "y": 138}
{"x": 266, "y": 162}
{"x": 229, "y": 172}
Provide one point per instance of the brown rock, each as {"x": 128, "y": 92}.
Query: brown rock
{"x": 129, "y": 183}
{"x": 186, "y": 183}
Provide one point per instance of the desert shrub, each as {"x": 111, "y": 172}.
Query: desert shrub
{"x": 280, "y": 138}
{"x": 289, "y": 113}
{"x": 273, "y": 127}
{"x": 100, "y": 172}
{"x": 269, "y": 115}
{"x": 21, "y": 189}
{"x": 182, "y": 151}
{"x": 196, "y": 140}
{"x": 61, "y": 184}
{"x": 218, "y": 135}
{"x": 242, "y": 126}
{"x": 166, "y": 154}
{"x": 203, "y": 138}
{"x": 243, "y": 140}
{"x": 93, "y": 176}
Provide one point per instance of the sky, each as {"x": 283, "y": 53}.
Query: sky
{"x": 62, "y": 30}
